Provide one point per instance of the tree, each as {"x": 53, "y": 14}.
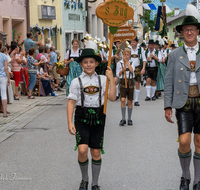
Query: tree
{"x": 150, "y": 24}
{"x": 170, "y": 14}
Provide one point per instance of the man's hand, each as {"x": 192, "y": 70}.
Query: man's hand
{"x": 116, "y": 56}
{"x": 168, "y": 114}
{"x": 109, "y": 73}
{"x": 42, "y": 34}
{"x": 148, "y": 58}
{"x": 37, "y": 33}
{"x": 50, "y": 68}
{"x": 142, "y": 71}
{"x": 72, "y": 129}
{"x": 152, "y": 55}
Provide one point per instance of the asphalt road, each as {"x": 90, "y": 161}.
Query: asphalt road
{"x": 138, "y": 157}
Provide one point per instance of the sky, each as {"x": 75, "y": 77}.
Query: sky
{"x": 181, "y": 4}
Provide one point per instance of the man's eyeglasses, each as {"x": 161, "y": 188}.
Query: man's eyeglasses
{"x": 192, "y": 30}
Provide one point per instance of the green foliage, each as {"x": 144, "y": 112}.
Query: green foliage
{"x": 181, "y": 44}
{"x": 170, "y": 14}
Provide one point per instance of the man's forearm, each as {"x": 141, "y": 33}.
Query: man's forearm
{"x": 112, "y": 91}
{"x": 144, "y": 64}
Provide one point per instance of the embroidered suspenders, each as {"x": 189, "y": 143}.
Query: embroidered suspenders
{"x": 82, "y": 91}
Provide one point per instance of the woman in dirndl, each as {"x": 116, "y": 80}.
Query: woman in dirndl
{"x": 70, "y": 59}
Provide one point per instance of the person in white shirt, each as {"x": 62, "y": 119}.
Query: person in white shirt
{"x": 126, "y": 66}
{"x": 87, "y": 93}
{"x": 48, "y": 43}
{"x": 70, "y": 60}
{"x": 153, "y": 58}
{"x": 116, "y": 56}
{"x": 139, "y": 59}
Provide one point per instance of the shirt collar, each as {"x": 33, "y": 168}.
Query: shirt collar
{"x": 135, "y": 48}
{"x": 196, "y": 47}
{"x": 83, "y": 74}
{"x": 152, "y": 51}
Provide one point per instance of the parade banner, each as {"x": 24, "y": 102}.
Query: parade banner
{"x": 124, "y": 33}
{"x": 113, "y": 13}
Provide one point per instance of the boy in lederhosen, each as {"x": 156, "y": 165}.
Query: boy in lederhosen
{"x": 139, "y": 59}
{"x": 126, "y": 65}
{"x": 87, "y": 94}
{"x": 153, "y": 61}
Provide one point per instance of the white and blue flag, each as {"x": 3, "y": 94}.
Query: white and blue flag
{"x": 149, "y": 6}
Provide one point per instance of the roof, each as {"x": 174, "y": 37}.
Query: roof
{"x": 173, "y": 18}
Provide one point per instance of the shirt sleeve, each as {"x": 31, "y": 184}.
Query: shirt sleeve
{"x": 67, "y": 55}
{"x": 41, "y": 71}
{"x": 16, "y": 56}
{"x": 74, "y": 90}
{"x": 159, "y": 57}
{"x": 43, "y": 57}
{"x": 5, "y": 58}
{"x": 143, "y": 55}
{"x": 118, "y": 69}
{"x": 32, "y": 43}
{"x": 55, "y": 59}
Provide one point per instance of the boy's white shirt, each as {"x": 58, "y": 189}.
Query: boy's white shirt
{"x": 119, "y": 68}
{"x": 90, "y": 100}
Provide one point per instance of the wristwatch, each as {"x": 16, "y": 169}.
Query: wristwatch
{"x": 143, "y": 68}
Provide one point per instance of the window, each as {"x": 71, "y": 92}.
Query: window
{"x": 68, "y": 40}
{"x": 74, "y": 17}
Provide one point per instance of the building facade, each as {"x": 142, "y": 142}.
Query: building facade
{"x": 172, "y": 22}
{"x": 46, "y": 16}
{"x": 74, "y": 22}
{"x": 13, "y": 19}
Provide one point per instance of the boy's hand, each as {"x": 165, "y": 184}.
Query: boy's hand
{"x": 72, "y": 129}
{"x": 109, "y": 73}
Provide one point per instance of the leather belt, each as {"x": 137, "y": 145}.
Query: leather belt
{"x": 193, "y": 91}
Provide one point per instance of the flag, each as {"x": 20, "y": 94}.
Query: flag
{"x": 163, "y": 30}
{"x": 149, "y": 6}
{"x": 153, "y": 12}
{"x": 157, "y": 27}
{"x": 161, "y": 25}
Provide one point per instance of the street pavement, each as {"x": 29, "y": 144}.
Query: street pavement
{"x": 41, "y": 156}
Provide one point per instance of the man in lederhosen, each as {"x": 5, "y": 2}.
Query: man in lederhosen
{"x": 153, "y": 58}
{"x": 182, "y": 84}
{"x": 139, "y": 59}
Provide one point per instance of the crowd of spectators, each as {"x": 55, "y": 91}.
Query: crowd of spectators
{"x": 20, "y": 70}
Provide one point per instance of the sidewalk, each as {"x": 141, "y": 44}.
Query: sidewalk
{"x": 25, "y": 110}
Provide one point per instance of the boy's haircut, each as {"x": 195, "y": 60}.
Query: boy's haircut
{"x": 128, "y": 50}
